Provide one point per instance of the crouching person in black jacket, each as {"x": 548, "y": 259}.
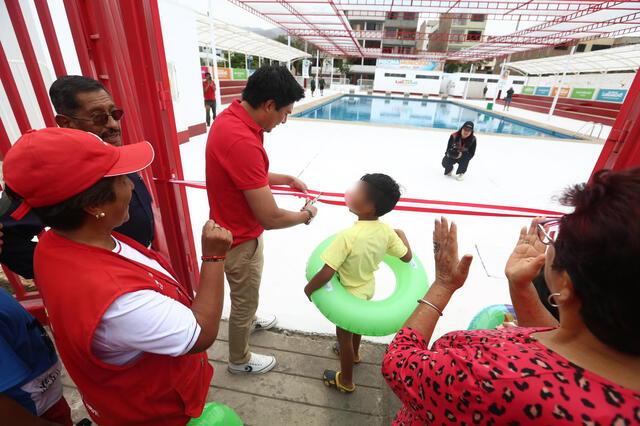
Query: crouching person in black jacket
{"x": 460, "y": 149}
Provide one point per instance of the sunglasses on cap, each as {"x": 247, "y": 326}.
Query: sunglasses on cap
{"x": 101, "y": 118}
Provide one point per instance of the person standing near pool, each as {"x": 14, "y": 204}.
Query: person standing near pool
{"x": 460, "y": 149}
{"x": 240, "y": 198}
{"x": 321, "y": 84}
{"x": 507, "y": 99}
{"x": 313, "y": 86}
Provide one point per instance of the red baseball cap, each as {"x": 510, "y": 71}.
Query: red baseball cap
{"x": 48, "y": 166}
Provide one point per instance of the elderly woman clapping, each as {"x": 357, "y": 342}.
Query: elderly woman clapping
{"x": 584, "y": 369}
{"x": 132, "y": 338}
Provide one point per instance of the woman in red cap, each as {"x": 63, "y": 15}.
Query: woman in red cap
{"x": 132, "y": 338}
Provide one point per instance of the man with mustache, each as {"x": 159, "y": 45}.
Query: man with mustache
{"x": 85, "y": 104}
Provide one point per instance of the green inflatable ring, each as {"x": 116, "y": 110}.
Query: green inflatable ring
{"x": 370, "y": 317}
{"x": 215, "y": 414}
{"x": 492, "y": 316}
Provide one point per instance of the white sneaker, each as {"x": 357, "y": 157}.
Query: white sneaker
{"x": 263, "y": 323}
{"x": 460, "y": 176}
{"x": 258, "y": 364}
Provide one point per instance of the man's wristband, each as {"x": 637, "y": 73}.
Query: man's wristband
{"x": 431, "y": 305}
{"x": 213, "y": 258}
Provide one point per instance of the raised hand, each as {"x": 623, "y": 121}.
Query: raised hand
{"x": 528, "y": 257}
{"x": 451, "y": 272}
{"x": 216, "y": 240}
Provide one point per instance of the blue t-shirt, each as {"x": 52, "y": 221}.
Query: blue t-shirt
{"x": 28, "y": 360}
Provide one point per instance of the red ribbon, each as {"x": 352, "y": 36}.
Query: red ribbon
{"x": 503, "y": 211}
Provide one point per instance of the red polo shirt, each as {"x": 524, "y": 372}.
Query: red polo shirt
{"x": 236, "y": 161}
{"x": 209, "y": 91}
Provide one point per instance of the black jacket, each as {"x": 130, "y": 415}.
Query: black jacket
{"x": 18, "y": 247}
{"x": 457, "y": 145}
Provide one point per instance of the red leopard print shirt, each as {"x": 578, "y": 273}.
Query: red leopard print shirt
{"x": 499, "y": 377}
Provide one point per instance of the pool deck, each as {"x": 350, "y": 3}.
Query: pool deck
{"x": 292, "y": 394}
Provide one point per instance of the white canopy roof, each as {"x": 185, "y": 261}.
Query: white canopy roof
{"x": 622, "y": 58}
{"x": 229, "y": 37}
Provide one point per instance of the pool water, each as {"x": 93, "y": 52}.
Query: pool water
{"x": 422, "y": 113}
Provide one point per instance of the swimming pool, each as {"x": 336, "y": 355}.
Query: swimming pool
{"x": 422, "y": 113}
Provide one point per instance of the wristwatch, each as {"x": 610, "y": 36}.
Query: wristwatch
{"x": 310, "y": 213}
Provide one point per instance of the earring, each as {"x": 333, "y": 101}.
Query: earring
{"x": 552, "y": 301}
{"x": 100, "y": 215}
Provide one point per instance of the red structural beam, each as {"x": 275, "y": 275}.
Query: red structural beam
{"x": 10, "y": 88}
{"x": 49, "y": 32}
{"x": 30, "y": 60}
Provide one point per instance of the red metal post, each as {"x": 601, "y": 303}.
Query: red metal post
{"x": 9, "y": 84}
{"x": 80, "y": 38}
{"x": 622, "y": 148}
{"x": 126, "y": 53}
{"x": 50, "y": 36}
{"x": 30, "y": 60}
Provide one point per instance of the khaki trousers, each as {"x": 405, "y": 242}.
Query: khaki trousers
{"x": 243, "y": 268}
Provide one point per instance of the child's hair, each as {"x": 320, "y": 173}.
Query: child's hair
{"x": 383, "y": 192}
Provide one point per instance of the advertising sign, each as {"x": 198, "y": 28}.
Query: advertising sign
{"x": 224, "y": 73}
{"x": 582, "y": 93}
{"x": 406, "y": 82}
{"x": 239, "y": 74}
{"x": 611, "y": 95}
{"x": 528, "y": 90}
{"x": 305, "y": 68}
{"x": 543, "y": 91}
{"x": 407, "y": 64}
{"x": 564, "y": 92}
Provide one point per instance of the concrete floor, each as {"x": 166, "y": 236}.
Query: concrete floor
{"x": 293, "y": 393}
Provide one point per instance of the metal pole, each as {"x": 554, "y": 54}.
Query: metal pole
{"x": 564, "y": 73}
{"x": 50, "y": 36}
{"x": 229, "y": 56}
{"x": 466, "y": 89}
{"x": 331, "y": 78}
{"x": 317, "y": 64}
{"x": 289, "y": 45}
{"x": 10, "y": 87}
{"x": 216, "y": 79}
{"x": 246, "y": 62}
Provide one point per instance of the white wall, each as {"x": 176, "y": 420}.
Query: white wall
{"x": 179, "y": 33}
{"x": 597, "y": 81}
{"x": 409, "y": 83}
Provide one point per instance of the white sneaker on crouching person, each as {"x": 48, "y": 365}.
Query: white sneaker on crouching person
{"x": 258, "y": 364}
{"x": 263, "y": 322}
{"x": 460, "y": 176}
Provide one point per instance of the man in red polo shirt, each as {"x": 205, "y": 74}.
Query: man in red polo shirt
{"x": 209, "y": 88}
{"x": 240, "y": 199}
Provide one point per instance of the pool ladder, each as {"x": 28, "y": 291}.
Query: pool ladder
{"x": 593, "y": 125}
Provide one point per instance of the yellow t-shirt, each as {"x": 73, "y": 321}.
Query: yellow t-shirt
{"x": 356, "y": 252}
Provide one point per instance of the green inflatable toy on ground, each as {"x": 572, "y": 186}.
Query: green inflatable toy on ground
{"x": 492, "y": 316}
{"x": 215, "y": 414}
{"x": 370, "y": 317}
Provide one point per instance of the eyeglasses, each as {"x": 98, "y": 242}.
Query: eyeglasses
{"x": 101, "y": 118}
{"x": 548, "y": 231}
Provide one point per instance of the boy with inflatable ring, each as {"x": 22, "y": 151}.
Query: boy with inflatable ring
{"x": 355, "y": 254}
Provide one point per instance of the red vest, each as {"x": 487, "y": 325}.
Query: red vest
{"x": 78, "y": 283}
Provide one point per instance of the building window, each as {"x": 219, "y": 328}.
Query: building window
{"x": 561, "y": 47}
{"x": 390, "y": 32}
{"x": 457, "y": 36}
{"x": 394, "y": 16}
{"x": 477, "y": 18}
{"x": 474, "y": 35}
{"x": 357, "y": 26}
{"x": 581, "y": 47}
{"x": 460, "y": 19}
{"x": 388, "y": 74}
{"x": 410, "y": 16}
{"x": 599, "y": 47}
{"x": 374, "y": 44}
{"x": 373, "y": 26}
{"x": 369, "y": 61}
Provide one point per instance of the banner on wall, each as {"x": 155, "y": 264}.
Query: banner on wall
{"x": 582, "y": 93}
{"x": 407, "y": 64}
{"x": 224, "y": 73}
{"x": 564, "y": 92}
{"x": 305, "y": 68}
{"x": 239, "y": 74}
{"x": 611, "y": 95}
{"x": 543, "y": 91}
{"x": 326, "y": 66}
{"x": 528, "y": 90}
